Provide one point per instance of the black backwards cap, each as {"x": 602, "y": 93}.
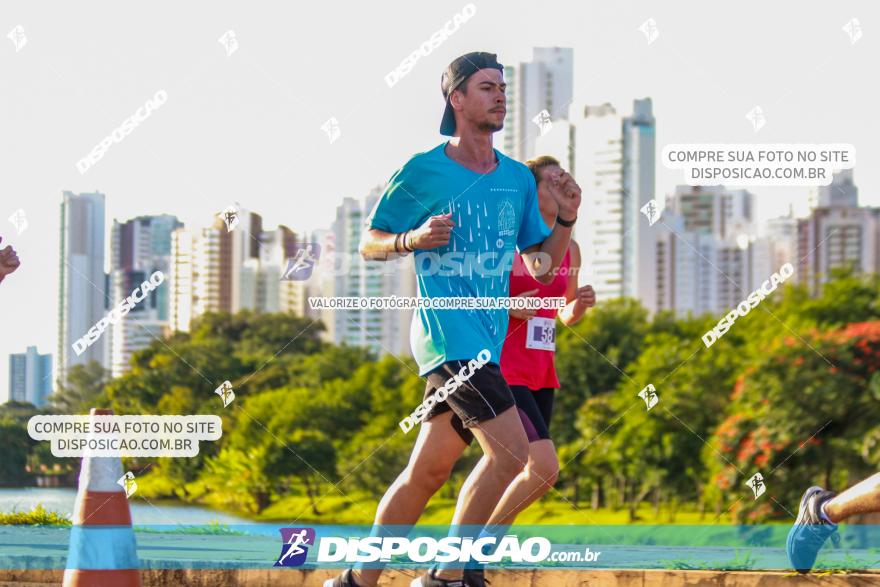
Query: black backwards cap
{"x": 456, "y": 74}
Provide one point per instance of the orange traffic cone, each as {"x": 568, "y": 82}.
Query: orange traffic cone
{"x": 102, "y": 550}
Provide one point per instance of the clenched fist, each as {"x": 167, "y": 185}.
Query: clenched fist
{"x": 435, "y": 232}
{"x": 585, "y": 297}
{"x": 8, "y": 261}
{"x": 567, "y": 194}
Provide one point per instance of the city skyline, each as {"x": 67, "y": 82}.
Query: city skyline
{"x": 243, "y": 127}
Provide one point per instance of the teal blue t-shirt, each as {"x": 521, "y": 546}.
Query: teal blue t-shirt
{"x": 494, "y": 214}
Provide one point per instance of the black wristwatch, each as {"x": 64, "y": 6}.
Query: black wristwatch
{"x": 566, "y": 223}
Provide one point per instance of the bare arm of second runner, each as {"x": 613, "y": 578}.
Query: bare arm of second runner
{"x": 577, "y": 299}
{"x": 567, "y": 194}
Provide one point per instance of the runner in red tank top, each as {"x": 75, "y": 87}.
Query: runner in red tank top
{"x": 527, "y": 359}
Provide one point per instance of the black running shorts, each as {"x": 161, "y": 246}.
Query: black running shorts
{"x": 482, "y": 397}
{"x": 535, "y": 407}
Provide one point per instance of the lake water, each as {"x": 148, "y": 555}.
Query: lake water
{"x": 61, "y": 500}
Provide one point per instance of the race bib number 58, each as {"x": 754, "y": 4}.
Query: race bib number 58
{"x": 541, "y": 334}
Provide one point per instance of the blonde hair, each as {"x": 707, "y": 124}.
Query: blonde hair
{"x": 538, "y": 163}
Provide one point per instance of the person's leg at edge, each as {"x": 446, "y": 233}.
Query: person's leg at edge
{"x": 542, "y": 469}
{"x": 536, "y": 479}
{"x": 437, "y": 449}
{"x": 505, "y": 454}
{"x": 863, "y": 497}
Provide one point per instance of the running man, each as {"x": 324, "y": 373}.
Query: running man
{"x": 527, "y": 359}
{"x": 467, "y": 198}
{"x": 820, "y": 512}
{"x": 8, "y": 261}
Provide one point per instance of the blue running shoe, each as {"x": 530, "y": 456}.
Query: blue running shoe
{"x": 810, "y": 530}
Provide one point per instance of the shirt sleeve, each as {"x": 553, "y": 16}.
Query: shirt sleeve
{"x": 399, "y": 209}
{"x": 532, "y": 229}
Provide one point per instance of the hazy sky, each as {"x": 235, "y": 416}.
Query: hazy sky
{"x": 246, "y": 127}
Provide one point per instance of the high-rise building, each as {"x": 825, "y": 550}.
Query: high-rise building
{"x": 714, "y": 210}
{"x": 837, "y": 235}
{"x": 612, "y": 158}
{"x": 139, "y": 247}
{"x": 82, "y": 287}
{"x": 217, "y": 270}
{"x": 842, "y": 192}
{"x": 698, "y": 271}
{"x": 545, "y": 83}
{"x": 30, "y": 377}
{"x": 384, "y": 331}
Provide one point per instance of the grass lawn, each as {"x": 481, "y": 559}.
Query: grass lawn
{"x": 337, "y": 509}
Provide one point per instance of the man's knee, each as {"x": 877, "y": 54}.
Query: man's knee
{"x": 546, "y": 471}
{"x": 430, "y": 477}
{"x": 510, "y": 461}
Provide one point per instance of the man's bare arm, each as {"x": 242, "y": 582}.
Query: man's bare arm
{"x": 378, "y": 245}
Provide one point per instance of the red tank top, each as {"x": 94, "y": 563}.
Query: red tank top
{"x": 533, "y": 368}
